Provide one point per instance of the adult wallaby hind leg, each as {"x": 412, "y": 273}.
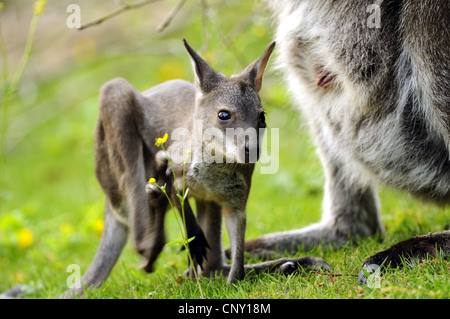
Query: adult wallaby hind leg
{"x": 378, "y": 105}
{"x": 350, "y": 211}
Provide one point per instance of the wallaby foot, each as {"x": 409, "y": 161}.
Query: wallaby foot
{"x": 14, "y": 292}
{"x": 411, "y": 250}
{"x": 198, "y": 246}
{"x": 289, "y": 265}
{"x": 274, "y": 245}
{"x": 284, "y": 266}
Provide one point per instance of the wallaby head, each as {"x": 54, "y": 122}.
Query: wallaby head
{"x": 229, "y": 110}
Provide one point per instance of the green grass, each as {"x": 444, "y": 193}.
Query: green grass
{"x": 49, "y": 185}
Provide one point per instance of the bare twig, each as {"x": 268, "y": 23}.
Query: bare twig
{"x": 124, "y": 8}
{"x": 170, "y": 16}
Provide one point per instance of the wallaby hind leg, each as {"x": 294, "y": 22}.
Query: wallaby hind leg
{"x": 283, "y": 266}
{"x": 350, "y": 211}
{"x": 119, "y": 157}
{"x": 114, "y": 238}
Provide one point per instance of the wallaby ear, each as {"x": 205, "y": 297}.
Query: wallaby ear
{"x": 254, "y": 72}
{"x": 206, "y": 78}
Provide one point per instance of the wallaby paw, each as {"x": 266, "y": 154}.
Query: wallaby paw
{"x": 13, "y": 293}
{"x": 152, "y": 190}
{"x": 255, "y": 249}
{"x": 150, "y": 255}
{"x": 149, "y": 258}
{"x": 155, "y": 195}
{"x": 289, "y": 266}
{"x": 147, "y": 265}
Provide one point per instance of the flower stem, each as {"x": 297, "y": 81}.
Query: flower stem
{"x": 183, "y": 232}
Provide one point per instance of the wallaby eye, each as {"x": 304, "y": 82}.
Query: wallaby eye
{"x": 224, "y": 115}
{"x": 262, "y": 117}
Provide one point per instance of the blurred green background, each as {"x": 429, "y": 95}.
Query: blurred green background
{"x": 51, "y": 206}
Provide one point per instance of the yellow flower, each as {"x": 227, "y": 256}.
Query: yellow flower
{"x": 19, "y": 277}
{"x": 259, "y": 30}
{"x": 161, "y": 140}
{"x": 66, "y": 229}
{"x": 25, "y": 238}
{"x": 152, "y": 180}
{"x": 39, "y": 6}
{"x": 98, "y": 226}
{"x": 169, "y": 70}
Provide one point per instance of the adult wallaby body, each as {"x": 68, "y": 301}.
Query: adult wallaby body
{"x": 377, "y": 98}
{"x": 126, "y": 157}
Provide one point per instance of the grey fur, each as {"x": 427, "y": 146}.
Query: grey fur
{"x": 378, "y": 104}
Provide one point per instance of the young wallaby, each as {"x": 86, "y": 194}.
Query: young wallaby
{"x": 372, "y": 80}
{"x": 219, "y": 169}
{"x": 220, "y": 125}
{"x": 126, "y": 157}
